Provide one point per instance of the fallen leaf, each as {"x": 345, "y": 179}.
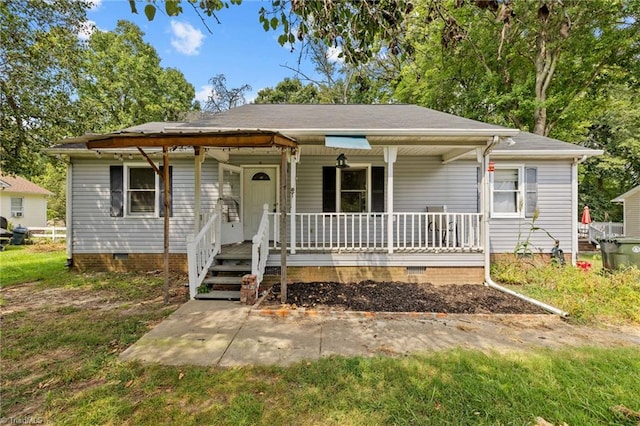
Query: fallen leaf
{"x": 128, "y": 384}
{"x": 180, "y": 376}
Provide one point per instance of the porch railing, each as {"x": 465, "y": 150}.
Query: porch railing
{"x": 202, "y": 248}
{"x": 260, "y": 247}
{"x": 601, "y": 230}
{"x": 369, "y": 232}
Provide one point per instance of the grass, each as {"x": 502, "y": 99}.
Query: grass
{"x": 42, "y": 262}
{"x": 60, "y": 365}
{"x": 590, "y": 296}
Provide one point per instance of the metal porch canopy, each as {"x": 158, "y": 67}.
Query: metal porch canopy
{"x": 221, "y": 139}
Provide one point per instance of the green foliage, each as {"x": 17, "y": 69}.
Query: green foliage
{"x": 517, "y": 63}
{"x": 589, "y": 296}
{"x": 289, "y": 91}
{"x": 53, "y": 175}
{"x": 123, "y": 83}
{"x": 39, "y": 59}
{"x": 616, "y": 131}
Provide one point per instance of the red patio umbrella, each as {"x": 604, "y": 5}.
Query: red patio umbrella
{"x": 586, "y": 216}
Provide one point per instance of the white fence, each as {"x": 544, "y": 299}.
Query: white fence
{"x": 52, "y": 232}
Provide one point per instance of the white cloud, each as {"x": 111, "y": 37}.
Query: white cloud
{"x": 88, "y": 28}
{"x": 203, "y": 94}
{"x": 186, "y": 39}
{"x": 332, "y": 54}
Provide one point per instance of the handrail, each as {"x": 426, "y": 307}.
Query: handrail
{"x": 202, "y": 249}
{"x": 367, "y": 232}
{"x": 260, "y": 247}
{"x": 602, "y": 230}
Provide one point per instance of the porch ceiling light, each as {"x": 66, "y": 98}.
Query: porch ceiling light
{"x": 341, "y": 162}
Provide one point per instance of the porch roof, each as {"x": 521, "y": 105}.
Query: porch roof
{"x": 151, "y": 135}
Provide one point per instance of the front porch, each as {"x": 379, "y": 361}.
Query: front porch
{"x": 350, "y": 246}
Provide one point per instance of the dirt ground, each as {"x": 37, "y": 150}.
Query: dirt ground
{"x": 374, "y": 296}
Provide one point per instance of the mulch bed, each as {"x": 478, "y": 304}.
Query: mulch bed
{"x": 372, "y": 296}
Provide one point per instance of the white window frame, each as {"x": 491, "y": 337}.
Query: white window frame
{"x": 367, "y": 167}
{"x": 156, "y": 198}
{"x": 17, "y": 212}
{"x": 520, "y": 198}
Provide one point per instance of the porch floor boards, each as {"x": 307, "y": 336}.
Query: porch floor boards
{"x": 244, "y": 249}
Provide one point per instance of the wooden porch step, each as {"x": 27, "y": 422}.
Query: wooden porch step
{"x": 233, "y": 256}
{"x": 242, "y": 267}
{"x": 223, "y": 280}
{"x": 219, "y": 295}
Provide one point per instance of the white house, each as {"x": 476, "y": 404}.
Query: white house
{"x": 631, "y": 211}
{"x": 23, "y": 202}
{"x": 422, "y": 196}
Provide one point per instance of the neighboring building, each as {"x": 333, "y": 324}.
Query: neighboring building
{"x": 426, "y": 196}
{"x": 631, "y": 211}
{"x": 23, "y": 202}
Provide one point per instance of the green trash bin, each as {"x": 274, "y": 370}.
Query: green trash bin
{"x": 628, "y": 252}
{"x": 620, "y": 252}
{"x": 608, "y": 248}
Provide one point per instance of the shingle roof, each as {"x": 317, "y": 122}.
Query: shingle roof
{"x": 337, "y": 116}
{"x": 17, "y": 184}
{"x": 527, "y": 142}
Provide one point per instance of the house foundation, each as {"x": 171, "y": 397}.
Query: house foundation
{"x": 413, "y": 274}
{"x": 128, "y": 262}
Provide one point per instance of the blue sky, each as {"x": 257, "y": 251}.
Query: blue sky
{"x": 238, "y": 47}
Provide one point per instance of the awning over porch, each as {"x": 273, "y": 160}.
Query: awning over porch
{"x": 347, "y": 142}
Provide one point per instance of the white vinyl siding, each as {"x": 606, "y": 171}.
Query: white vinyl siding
{"x": 554, "y": 207}
{"x": 418, "y": 182}
{"x": 95, "y": 231}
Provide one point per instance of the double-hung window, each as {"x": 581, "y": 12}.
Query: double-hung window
{"x": 356, "y": 189}
{"x": 514, "y": 191}
{"x": 17, "y": 207}
{"x": 137, "y": 191}
{"x": 141, "y": 191}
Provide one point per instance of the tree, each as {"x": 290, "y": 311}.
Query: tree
{"x": 289, "y": 91}
{"x": 39, "y": 58}
{"x": 122, "y": 83}
{"x": 530, "y": 65}
{"x": 356, "y": 27}
{"x": 222, "y": 98}
{"x": 616, "y": 130}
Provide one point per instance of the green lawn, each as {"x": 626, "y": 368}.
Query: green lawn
{"x": 60, "y": 364}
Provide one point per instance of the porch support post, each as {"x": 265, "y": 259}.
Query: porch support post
{"x": 390, "y": 155}
{"x": 167, "y": 204}
{"x": 69, "y": 215}
{"x": 198, "y": 151}
{"x": 283, "y": 225}
{"x": 294, "y": 159}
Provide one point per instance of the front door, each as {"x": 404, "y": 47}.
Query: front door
{"x": 230, "y": 190}
{"x": 260, "y": 188}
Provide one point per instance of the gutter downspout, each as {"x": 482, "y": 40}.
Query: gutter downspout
{"x": 574, "y": 207}
{"x": 69, "y": 215}
{"x": 487, "y": 241}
